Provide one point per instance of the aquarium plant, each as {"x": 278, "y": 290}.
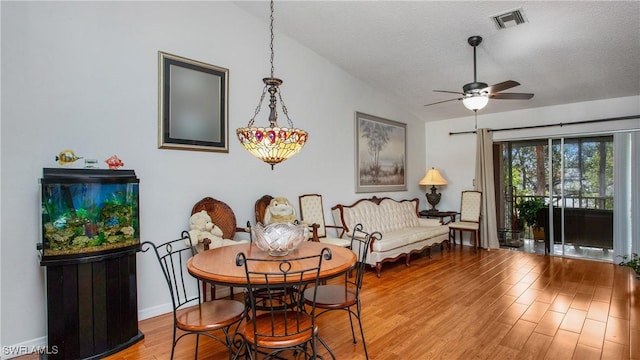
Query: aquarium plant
{"x": 82, "y": 218}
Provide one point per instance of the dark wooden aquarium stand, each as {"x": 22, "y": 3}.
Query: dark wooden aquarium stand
{"x": 90, "y": 237}
{"x": 92, "y": 308}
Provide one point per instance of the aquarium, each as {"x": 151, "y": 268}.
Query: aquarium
{"x": 88, "y": 212}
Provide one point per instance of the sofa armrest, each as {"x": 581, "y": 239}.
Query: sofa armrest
{"x": 429, "y": 222}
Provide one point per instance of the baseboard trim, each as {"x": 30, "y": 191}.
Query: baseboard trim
{"x": 39, "y": 345}
{"x": 154, "y": 311}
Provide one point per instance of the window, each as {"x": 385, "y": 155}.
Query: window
{"x": 581, "y": 177}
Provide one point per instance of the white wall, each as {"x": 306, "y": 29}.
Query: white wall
{"x": 454, "y": 155}
{"x": 83, "y": 75}
{"x": 0, "y": 192}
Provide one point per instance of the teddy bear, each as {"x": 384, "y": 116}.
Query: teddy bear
{"x": 279, "y": 210}
{"x": 201, "y": 227}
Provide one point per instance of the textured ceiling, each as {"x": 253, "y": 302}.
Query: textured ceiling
{"x": 567, "y": 51}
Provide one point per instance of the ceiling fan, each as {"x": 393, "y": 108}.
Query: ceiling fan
{"x": 476, "y": 95}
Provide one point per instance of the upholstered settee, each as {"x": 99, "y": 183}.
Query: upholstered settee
{"x": 403, "y": 231}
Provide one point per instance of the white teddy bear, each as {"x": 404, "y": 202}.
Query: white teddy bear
{"x": 201, "y": 227}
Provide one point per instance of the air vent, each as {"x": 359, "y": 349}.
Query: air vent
{"x": 509, "y": 19}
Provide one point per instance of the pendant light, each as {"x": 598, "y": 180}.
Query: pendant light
{"x": 272, "y": 144}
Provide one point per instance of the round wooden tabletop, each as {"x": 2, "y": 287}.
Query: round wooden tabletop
{"x": 218, "y": 266}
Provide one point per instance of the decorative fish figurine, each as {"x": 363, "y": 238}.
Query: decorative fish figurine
{"x": 67, "y": 157}
{"x": 114, "y": 162}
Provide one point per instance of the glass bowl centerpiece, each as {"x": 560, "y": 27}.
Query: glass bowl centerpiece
{"x": 279, "y": 238}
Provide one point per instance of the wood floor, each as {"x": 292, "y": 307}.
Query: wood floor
{"x": 498, "y": 304}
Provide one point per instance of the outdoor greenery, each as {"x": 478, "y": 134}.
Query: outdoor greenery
{"x": 587, "y": 164}
{"x": 528, "y": 210}
{"x": 632, "y": 262}
{"x": 577, "y": 172}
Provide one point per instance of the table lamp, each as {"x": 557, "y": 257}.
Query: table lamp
{"x": 433, "y": 178}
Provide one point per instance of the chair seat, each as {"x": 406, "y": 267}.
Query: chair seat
{"x": 336, "y": 241}
{"x": 332, "y": 296}
{"x": 264, "y": 325}
{"x": 464, "y": 225}
{"x": 210, "y": 315}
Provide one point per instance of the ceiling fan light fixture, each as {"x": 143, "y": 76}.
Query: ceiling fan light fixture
{"x": 476, "y": 94}
{"x": 475, "y": 102}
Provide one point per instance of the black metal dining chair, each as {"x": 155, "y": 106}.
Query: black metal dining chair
{"x": 190, "y": 313}
{"x": 280, "y": 322}
{"x": 346, "y": 296}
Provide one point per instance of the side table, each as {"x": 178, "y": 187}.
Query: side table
{"x": 442, "y": 215}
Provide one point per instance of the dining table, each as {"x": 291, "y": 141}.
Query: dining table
{"x": 218, "y": 266}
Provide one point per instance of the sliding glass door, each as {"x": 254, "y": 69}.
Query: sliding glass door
{"x": 556, "y": 196}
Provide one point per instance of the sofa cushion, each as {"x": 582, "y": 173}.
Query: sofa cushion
{"x": 398, "y": 238}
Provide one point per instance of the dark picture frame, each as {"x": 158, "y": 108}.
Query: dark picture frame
{"x": 381, "y": 154}
{"x": 193, "y": 105}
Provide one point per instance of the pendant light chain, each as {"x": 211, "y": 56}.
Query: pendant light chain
{"x": 272, "y": 144}
{"x": 264, "y": 90}
{"x": 259, "y": 107}
{"x": 284, "y": 109}
{"x": 272, "y": 37}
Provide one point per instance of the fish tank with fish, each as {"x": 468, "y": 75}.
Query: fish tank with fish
{"x": 88, "y": 212}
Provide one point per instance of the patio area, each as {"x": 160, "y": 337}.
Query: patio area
{"x": 537, "y": 247}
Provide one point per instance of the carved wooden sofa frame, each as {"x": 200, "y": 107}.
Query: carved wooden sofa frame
{"x": 403, "y": 231}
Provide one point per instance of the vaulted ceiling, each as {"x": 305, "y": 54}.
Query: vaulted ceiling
{"x": 565, "y": 52}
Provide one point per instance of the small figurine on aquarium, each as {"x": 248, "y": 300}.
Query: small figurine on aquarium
{"x": 66, "y": 157}
{"x": 114, "y": 162}
{"x": 90, "y": 163}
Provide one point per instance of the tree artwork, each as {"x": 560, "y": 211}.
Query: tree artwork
{"x": 377, "y": 136}
{"x": 381, "y": 154}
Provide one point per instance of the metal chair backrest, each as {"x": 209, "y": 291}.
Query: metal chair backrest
{"x": 172, "y": 257}
{"x": 282, "y": 281}
{"x": 470, "y": 206}
{"x": 311, "y": 212}
{"x": 360, "y": 244}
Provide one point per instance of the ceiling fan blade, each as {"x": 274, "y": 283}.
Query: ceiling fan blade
{"x": 501, "y": 86}
{"x": 450, "y": 92}
{"x": 443, "y": 101}
{"x": 511, "y": 96}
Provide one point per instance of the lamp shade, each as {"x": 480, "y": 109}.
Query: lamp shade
{"x": 475, "y": 101}
{"x": 433, "y": 177}
{"x": 272, "y": 145}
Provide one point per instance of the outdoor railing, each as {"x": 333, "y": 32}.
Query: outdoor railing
{"x": 583, "y": 202}
{"x": 580, "y": 202}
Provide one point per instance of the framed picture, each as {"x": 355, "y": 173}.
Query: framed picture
{"x": 381, "y": 147}
{"x": 193, "y": 105}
